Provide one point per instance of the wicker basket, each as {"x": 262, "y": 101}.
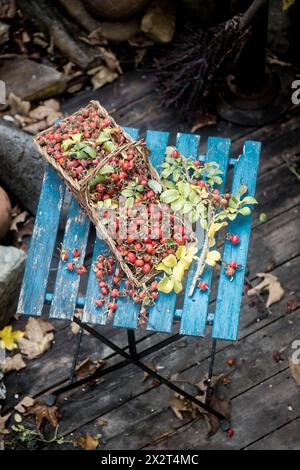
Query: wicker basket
{"x": 81, "y": 188}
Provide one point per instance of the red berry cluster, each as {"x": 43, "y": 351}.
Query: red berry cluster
{"x": 80, "y": 144}
{"x": 231, "y": 268}
{"x": 109, "y": 283}
{"x": 72, "y": 265}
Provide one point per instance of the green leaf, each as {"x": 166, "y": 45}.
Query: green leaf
{"x": 140, "y": 188}
{"x": 166, "y": 173}
{"x": 249, "y": 200}
{"x": 177, "y": 205}
{"x": 203, "y": 223}
{"x": 129, "y": 202}
{"x": 217, "y": 179}
{"x": 155, "y": 185}
{"x": 184, "y": 188}
{"x": 90, "y": 151}
{"x": 242, "y": 189}
{"x": 107, "y": 203}
{"x": 170, "y": 195}
{"x": 193, "y": 216}
{"x": 245, "y": 211}
{"x": 231, "y": 216}
{"x": 109, "y": 146}
{"x": 187, "y": 208}
{"x": 165, "y": 285}
{"x": 67, "y": 144}
{"x": 169, "y": 184}
{"x": 233, "y": 202}
{"x": 106, "y": 169}
{"x": 176, "y": 175}
{"x": 169, "y": 151}
{"x": 104, "y": 136}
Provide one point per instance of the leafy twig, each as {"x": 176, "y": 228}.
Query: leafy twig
{"x": 202, "y": 258}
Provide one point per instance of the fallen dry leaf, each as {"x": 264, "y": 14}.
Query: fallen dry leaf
{"x": 15, "y": 362}
{"x": 103, "y": 76}
{"x": 17, "y": 106}
{"x": 203, "y": 121}
{"x": 39, "y": 336}
{"x": 88, "y": 367}
{"x": 151, "y": 366}
{"x": 25, "y": 403}
{"x": 271, "y": 284}
{"x": 18, "y": 219}
{"x": 43, "y": 412}
{"x": 8, "y": 8}
{"x": 3, "y": 420}
{"x": 295, "y": 370}
{"x": 87, "y": 442}
{"x": 180, "y": 404}
{"x": 292, "y": 305}
{"x": 110, "y": 60}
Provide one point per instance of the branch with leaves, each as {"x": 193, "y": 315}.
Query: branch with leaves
{"x": 190, "y": 189}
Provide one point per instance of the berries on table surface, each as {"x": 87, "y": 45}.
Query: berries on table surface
{"x": 76, "y": 253}
{"x": 203, "y": 286}
{"x": 234, "y": 239}
{"x": 230, "y": 273}
{"x": 81, "y": 270}
{"x": 70, "y": 266}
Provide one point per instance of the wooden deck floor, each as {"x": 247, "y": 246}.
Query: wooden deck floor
{"x": 131, "y": 413}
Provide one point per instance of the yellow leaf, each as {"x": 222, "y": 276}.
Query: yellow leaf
{"x": 178, "y": 271}
{"x": 8, "y": 337}
{"x": 192, "y": 250}
{"x": 212, "y": 257}
{"x": 165, "y": 285}
{"x": 214, "y": 228}
{"x": 286, "y": 4}
{"x": 170, "y": 261}
{"x": 181, "y": 251}
{"x": 162, "y": 267}
{"x": 177, "y": 286}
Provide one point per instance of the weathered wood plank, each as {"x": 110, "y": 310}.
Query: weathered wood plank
{"x": 191, "y": 355}
{"x": 42, "y": 244}
{"x": 230, "y": 291}
{"x": 161, "y": 315}
{"x": 127, "y": 313}
{"x": 143, "y": 418}
{"x": 260, "y": 410}
{"x": 194, "y": 312}
{"x": 285, "y": 438}
{"x": 276, "y": 231}
{"x": 67, "y": 282}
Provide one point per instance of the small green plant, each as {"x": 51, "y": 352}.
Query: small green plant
{"x": 190, "y": 189}
{"x": 104, "y": 139}
{"x": 78, "y": 149}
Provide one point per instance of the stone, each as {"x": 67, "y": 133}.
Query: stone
{"x": 159, "y": 21}
{"x": 32, "y": 81}
{"x": 22, "y": 167}
{"x": 12, "y": 262}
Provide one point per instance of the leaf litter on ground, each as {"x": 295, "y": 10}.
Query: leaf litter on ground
{"x": 270, "y": 284}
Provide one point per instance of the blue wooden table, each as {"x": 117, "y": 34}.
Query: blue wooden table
{"x": 194, "y": 315}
